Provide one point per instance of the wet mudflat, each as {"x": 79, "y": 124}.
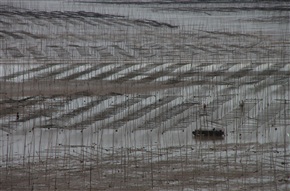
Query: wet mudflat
{"x": 105, "y": 96}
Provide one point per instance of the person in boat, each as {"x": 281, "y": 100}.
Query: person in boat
{"x": 242, "y": 104}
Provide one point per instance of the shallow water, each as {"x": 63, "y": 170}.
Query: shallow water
{"x": 218, "y": 56}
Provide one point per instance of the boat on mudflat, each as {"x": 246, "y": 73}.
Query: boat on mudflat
{"x": 215, "y": 132}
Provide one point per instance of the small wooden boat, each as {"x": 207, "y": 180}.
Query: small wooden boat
{"x": 209, "y": 132}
